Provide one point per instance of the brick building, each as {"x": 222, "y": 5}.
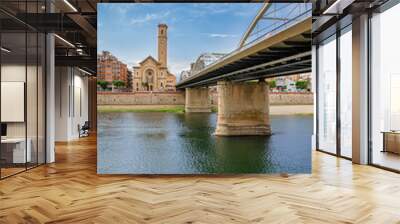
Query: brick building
{"x": 109, "y": 68}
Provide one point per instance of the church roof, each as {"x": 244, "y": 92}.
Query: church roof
{"x": 149, "y": 58}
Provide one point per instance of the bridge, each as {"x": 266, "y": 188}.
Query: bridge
{"x": 277, "y": 43}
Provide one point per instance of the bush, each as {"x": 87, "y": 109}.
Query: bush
{"x": 118, "y": 83}
{"x": 301, "y": 84}
{"x": 103, "y": 84}
{"x": 272, "y": 84}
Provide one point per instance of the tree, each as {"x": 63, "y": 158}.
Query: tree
{"x": 272, "y": 84}
{"x": 118, "y": 83}
{"x": 302, "y": 84}
{"x": 103, "y": 84}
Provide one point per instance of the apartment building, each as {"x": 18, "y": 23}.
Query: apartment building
{"x": 109, "y": 68}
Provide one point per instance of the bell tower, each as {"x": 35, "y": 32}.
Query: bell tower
{"x": 162, "y": 44}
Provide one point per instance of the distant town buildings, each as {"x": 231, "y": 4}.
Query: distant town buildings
{"x": 153, "y": 74}
{"x": 293, "y": 83}
{"x": 110, "y": 69}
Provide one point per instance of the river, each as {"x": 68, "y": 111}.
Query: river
{"x": 179, "y": 143}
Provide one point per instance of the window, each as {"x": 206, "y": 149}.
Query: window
{"x": 327, "y": 95}
{"x": 346, "y": 92}
{"x": 385, "y": 89}
{"x": 22, "y": 67}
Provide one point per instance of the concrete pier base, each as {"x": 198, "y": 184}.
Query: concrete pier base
{"x": 243, "y": 109}
{"x": 197, "y": 100}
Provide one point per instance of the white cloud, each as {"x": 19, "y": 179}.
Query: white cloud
{"x": 220, "y": 35}
{"x": 149, "y": 17}
{"x": 213, "y": 8}
{"x": 119, "y": 8}
{"x": 205, "y": 9}
{"x": 130, "y": 65}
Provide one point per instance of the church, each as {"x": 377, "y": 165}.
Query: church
{"x": 153, "y": 74}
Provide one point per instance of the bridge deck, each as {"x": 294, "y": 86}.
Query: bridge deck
{"x": 284, "y": 53}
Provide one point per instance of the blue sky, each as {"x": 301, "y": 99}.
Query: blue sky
{"x": 129, "y": 30}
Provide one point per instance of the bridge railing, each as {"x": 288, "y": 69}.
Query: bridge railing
{"x": 277, "y": 17}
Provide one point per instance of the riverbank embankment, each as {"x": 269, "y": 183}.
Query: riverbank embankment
{"x": 274, "y": 109}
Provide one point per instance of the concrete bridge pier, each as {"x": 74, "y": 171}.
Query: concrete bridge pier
{"x": 243, "y": 109}
{"x": 197, "y": 100}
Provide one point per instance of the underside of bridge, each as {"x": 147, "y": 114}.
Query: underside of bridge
{"x": 243, "y": 107}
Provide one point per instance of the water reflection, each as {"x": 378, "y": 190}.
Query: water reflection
{"x": 169, "y": 143}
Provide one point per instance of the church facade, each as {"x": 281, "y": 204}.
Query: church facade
{"x": 153, "y": 74}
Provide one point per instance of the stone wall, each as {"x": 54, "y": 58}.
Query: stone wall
{"x": 178, "y": 98}
{"x": 279, "y": 98}
{"x": 141, "y": 98}
{"x": 291, "y": 98}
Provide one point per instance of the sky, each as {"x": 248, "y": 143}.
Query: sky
{"x": 129, "y": 30}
